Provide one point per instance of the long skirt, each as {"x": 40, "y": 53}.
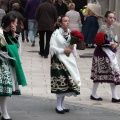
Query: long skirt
{"x": 61, "y": 81}
{"x": 8, "y": 82}
{"x": 101, "y": 68}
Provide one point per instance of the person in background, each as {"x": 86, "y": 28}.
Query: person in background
{"x": 67, "y": 2}
{"x": 91, "y": 23}
{"x": 11, "y": 2}
{"x": 74, "y": 16}
{"x": 78, "y": 6}
{"x": 20, "y": 18}
{"x": 65, "y": 77}
{"x": 4, "y": 5}
{"x": 2, "y": 13}
{"x": 61, "y": 7}
{"x": 105, "y": 68}
{"x": 29, "y": 13}
{"x": 24, "y": 32}
{"x": 11, "y": 72}
{"x": 46, "y": 19}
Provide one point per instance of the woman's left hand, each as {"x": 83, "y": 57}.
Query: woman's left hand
{"x": 114, "y": 45}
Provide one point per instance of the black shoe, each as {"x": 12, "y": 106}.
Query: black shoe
{"x": 60, "y": 112}
{"x": 23, "y": 40}
{"x": 115, "y": 100}
{"x": 27, "y": 39}
{"x": 92, "y": 46}
{"x": 33, "y": 44}
{"x": 93, "y": 98}
{"x": 66, "y": 110}
{"x": 5, "y": 119}
{"x": 45, "y": 56}
{"x": 40, "y": 54}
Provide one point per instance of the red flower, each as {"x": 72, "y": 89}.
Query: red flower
{"x": 76, "y": 37}
{"x": 99, "y": 38}
{"x": 77, "y": 34}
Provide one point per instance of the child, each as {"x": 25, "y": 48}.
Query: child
{"x": 105, "y": 67}
{"x": 65, "y": 78}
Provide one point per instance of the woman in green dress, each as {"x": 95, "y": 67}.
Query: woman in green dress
{"x": 65, "y": 77}
{"x": 11, "y": 73}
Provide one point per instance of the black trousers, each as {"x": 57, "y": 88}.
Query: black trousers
{"x": 44, "y": 48}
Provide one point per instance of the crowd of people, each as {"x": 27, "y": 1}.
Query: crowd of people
{"x": 54, "y": 20}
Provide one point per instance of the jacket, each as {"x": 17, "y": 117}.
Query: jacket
{"x": 46, "y": 16}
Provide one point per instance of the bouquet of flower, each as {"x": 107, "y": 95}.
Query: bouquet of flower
{"x": 76, "y": 37}
{"x": 99, "y": 38}
{"x": 102, "y": 39}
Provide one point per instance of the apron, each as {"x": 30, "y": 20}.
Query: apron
{"x": 13, "y": 51}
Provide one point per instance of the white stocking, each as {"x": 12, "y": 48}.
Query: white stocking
{"x": 95, "y": 86}
{"x": 3, "y": 104}
{"x": 62, "y": 102}
{"x": 59, "y": 101}
{"x": 114, "y": 91}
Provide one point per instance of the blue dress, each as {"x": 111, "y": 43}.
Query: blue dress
{"x": 89, "y": 29}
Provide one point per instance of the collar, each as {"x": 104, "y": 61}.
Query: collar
{"x": 62, "y": 31}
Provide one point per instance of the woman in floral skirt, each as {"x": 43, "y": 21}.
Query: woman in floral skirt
{"x": 11, "y": 73}
{"x": 65, "y": 77}
{"x": 105, "y": 67}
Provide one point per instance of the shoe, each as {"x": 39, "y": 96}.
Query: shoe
{"x": 33, "y": 44}
{"x": 45, "y": 56}
{"x": 5, "y": 119}
{"x": 60, "y": 112}
{"x": 23, "y": 40}
{"x": 115, "y": 100}
{"x": 66, "y": 110}
{"x": 27, "y": 39}
{"x": 16, "y": 92}
{"x": 93, "y": 98}
{"x": 92, "y": 46}
{"x": 40, "y": 54}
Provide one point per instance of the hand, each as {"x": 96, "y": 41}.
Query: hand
{"x": 67, "y": 50}
{"x": 114, "y": 45}
{"x": 71, "y": 47}
{"x": 111, "y": 43}
{"x": 13, "y": 27}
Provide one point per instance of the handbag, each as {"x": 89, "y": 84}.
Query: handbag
{"x": 81, "y": 45}
{"x": 21, "y": 25}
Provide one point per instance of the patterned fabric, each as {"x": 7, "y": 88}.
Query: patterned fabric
{"x": 101, "y": 68}
{"x": 61, "y": 81}
{"x": 5, "y": 79}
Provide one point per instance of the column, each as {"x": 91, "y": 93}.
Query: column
{"x": 112, "y": 4}
{"x": 117, "y": 5}
{"x": 104, "y": 5}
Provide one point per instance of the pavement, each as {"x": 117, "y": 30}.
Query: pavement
{"x": 37, "y": 102}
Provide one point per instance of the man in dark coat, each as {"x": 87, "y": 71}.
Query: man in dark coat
{"x": 46, "y": 16}
{"x": 61, "y": 7}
